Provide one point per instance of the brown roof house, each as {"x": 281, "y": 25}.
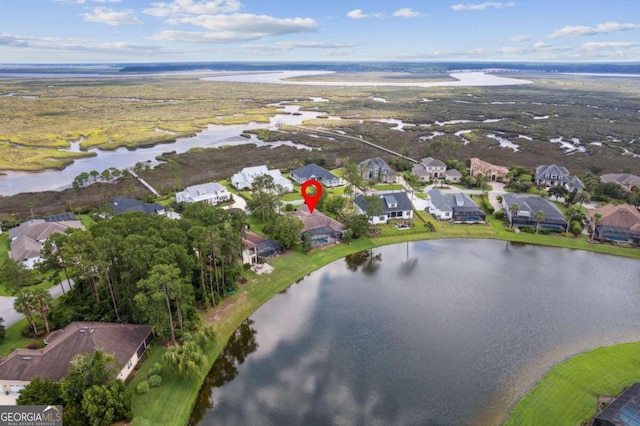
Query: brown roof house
{"x": 625, "y": 180}
{"x": 126, "y": 342}
{"x": 619, "y": 223}
{"x": 322, "y": 229}
{"x": 28, "y": 238}
{"x": 495, "y": 173}
{"x": 257, "y": 248}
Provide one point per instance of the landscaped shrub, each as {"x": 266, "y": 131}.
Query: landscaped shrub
{"x": 499, "y": 198}
{"x": 35, "y": 345}
{"x": 143, "y": 387}
{"x": 575, "y": 228}
{"x": 430, "y": 226}
{"x": 155, "y": 381}
{"x": 528, "y": 229}
{"x": 499, "y": 214}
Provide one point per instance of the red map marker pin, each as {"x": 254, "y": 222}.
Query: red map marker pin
{"x": 311, "y": 200}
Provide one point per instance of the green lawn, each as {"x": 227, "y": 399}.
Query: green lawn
{"x": 4, "y": 246}
{"x": 14, "y": 340}
{"x": 568, "y": 394}
{"x": 292, "y": 196}
{"x": 388, "y": 187}
{"x": 86, "y": 220}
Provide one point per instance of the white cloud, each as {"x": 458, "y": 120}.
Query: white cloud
{"x": 519, "y": 38}
{"x": 406, "y": 12}
{"x": 106, "y": 1}
{"x": 235, "y": 27}
{"x": 541, "y": 45}
{"x": 602, "y": 45}
{"x": 189, "y": 7}
{"x": 605, "y": 28}
{"x": 112, "y": 17}
{"x": 482, "y": 6}
{"x": 359, "y": 14}
{"x": 299, "y": 45}
{"x": 62, "y": 44}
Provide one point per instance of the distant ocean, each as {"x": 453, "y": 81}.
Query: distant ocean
{"x": 114, "y": 70}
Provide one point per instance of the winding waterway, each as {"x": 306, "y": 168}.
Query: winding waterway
{"x": 433, "y": 333}
{"x": 213, "y": 136}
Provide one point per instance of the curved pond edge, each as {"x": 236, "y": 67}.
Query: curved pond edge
{"x": 568, "y": 393}
{"x": 168, "y": 403}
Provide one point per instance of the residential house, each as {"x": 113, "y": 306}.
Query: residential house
{"x": 619, "y": 223}
{"x": 495, "y": 173}
{"x": 624, "y": 410}
{"x": 376, "y": 169}
{"x": 317, "y": 173}
{"x": 27, "y": 239}
{"x": 322, "y": 229}
{"x": 122, "y": 205}
{"x": 210, "y": 193}
{"x": 259, "y": 248}
{"x": 126, "y": 342}
{"x": 395, "y": 205}
{"x": 429, "y": 168}
{"x": 452, "y": 175}
{"x": 552, "y": 175}
{"x": 244, "y": 178}
{"x": 625, "y": 180}
{"x": 528, "y": 207}
{"x": 456, "y": 207}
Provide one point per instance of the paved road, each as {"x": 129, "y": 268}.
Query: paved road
{"x": 10, "y": 315}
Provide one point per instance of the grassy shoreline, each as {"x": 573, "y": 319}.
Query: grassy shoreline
{"x": 171, "y": 403}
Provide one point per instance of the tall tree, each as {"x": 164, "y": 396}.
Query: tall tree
{"x": 24, "y": 304}
{"x": 16, "y": 276}
{"x": 354, "y": 178}
{"x": 105, "y": 404}
{"x": 40, "y": 392}
{"x": 597, "y": 220}
{"x": 186, "y": 360}
{"x": 41, "y": 302}
{"x": 161, "y": 285}
{"x": 373, "y": 205}
{"x": 513, "y": 208}
{"x": 582, "y": 197}
{"x": 264, "y": 197}
{"x": 539, "y": 218}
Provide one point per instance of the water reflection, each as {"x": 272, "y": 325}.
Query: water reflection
{"x": 241, "y": 343}
{"x": 365, "y": 259}
{"x": 441, "y": 332}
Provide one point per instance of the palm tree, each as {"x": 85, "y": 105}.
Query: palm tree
{"x": 513, "y": 208}
{"x": 582, "y": 197}
{"x": 24, "y": 305}
{"x": 42, "y": 301}
{"x": 597, "y": 219}
{"x": 539, "y": 218}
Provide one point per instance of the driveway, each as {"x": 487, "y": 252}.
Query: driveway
{"x": 238, "y": 203}
{"x": 11, "y": 316}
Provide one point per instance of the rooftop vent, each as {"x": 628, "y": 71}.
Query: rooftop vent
{"x": 82, "y": 330}
{"x": 26, "y": 358}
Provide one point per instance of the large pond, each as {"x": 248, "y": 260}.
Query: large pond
{"x": 432, "y": 333}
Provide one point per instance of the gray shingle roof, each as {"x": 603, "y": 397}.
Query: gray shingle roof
{"x": 432, "y": 162}
{"x": 387, "y": 200}
{"x": 52, "y": 362}
{"x": 446, "y": 202}
{"x": 533, "y": 203}
{"x": 375, "y": 164}
{"x": 315, "y": 171}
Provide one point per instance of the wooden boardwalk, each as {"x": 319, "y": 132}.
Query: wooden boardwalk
{"x": 144, "y": 182}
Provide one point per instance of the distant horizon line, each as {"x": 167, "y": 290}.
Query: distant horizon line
{"x": 431, "y": 61}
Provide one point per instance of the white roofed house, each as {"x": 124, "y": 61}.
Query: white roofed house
{"x": 395, "y": 205}
{"x": 210, "y": 193}
{"x": 244, "y": 178}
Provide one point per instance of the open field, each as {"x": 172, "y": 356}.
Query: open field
{"x": 568, "y": 394}
{"x": 596, "y": 117}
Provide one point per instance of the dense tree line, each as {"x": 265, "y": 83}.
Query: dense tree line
{"x": 148, "y": 268}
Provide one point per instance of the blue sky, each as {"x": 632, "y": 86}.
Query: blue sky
{"x": 318, "y": 30}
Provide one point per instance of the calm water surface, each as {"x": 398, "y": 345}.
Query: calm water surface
{"x": 431, "y": 333}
